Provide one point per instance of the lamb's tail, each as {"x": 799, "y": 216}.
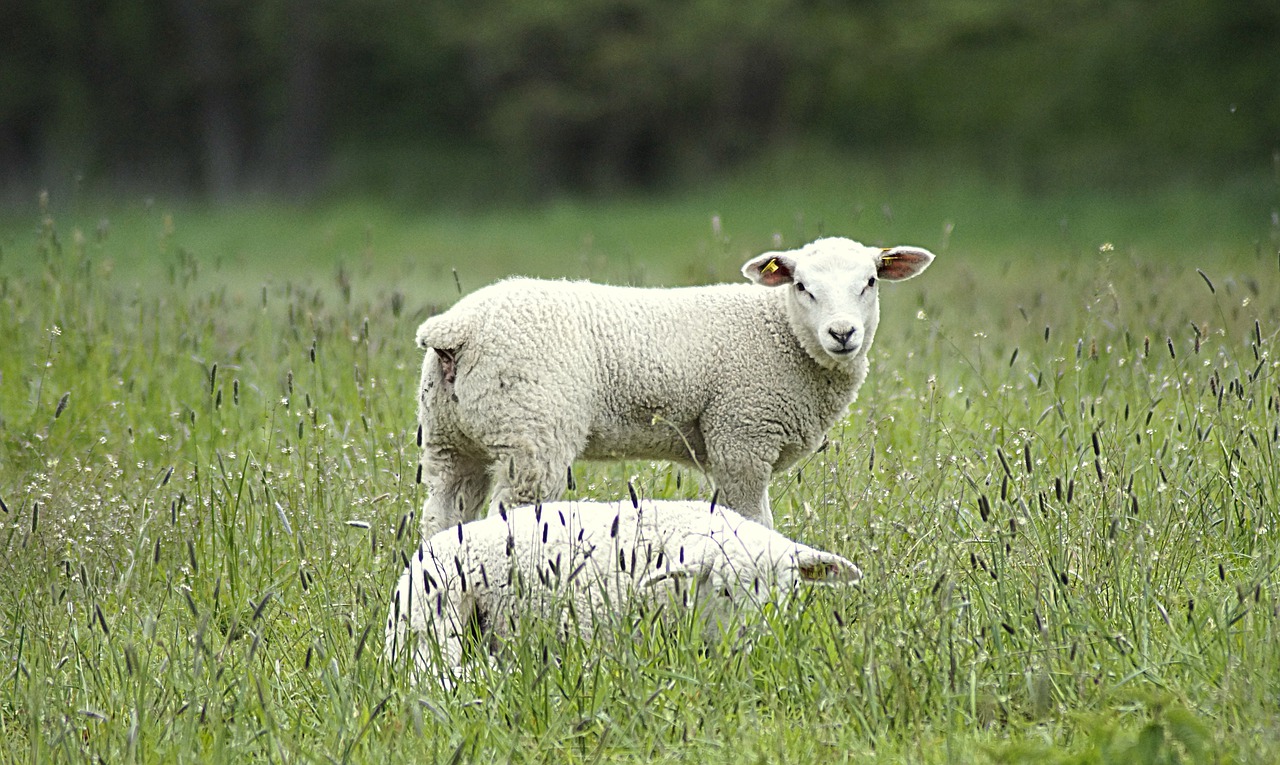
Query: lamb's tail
{"x": 446, "y": 331}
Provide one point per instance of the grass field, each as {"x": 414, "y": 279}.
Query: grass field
{"x": 1061, "y": 481}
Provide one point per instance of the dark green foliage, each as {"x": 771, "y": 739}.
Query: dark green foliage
{"x": 512, "y": 98}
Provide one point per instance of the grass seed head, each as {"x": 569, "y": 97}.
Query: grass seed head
{"x": 261, "y": 606}
{"x": 1206, "y": 281}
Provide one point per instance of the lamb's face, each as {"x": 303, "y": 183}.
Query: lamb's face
{"x": 739, "y": 575}
{"x": 833, "y": 294}
{"x": 833, "y": 299}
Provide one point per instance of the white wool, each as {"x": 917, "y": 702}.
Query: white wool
{"x": 525, "y": 376}
{"x": 583, "y": 564}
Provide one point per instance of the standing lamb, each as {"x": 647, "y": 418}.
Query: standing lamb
{"x": 584, "y": 566}
{"x": 525, "y": 376}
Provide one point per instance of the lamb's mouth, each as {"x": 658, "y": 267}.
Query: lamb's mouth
{"x": 844, "y": 350}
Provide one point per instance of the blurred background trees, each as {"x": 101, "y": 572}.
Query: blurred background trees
{"x": 533, "y": 98}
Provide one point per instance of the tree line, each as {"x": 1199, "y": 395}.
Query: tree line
{"x": 224, "y": 96}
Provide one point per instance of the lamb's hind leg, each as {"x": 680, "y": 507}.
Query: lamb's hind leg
{"x": 457, "y": 482}
{"x": 430, "y": 614}
{"x": 530, "y": 476}
{"x": 457, "y": 488}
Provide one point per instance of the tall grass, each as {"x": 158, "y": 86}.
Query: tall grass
{"x": 1061, "y": 480}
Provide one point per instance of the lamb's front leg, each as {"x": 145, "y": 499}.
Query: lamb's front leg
{"x": 742, "y": 482}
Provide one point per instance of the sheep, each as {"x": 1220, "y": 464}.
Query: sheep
{"x": 581, "y": 565}
{"x": 524, "y": 376}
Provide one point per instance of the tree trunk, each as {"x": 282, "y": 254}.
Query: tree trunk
{"x": 222, "y": 149}
{"x": 304, "y": 119}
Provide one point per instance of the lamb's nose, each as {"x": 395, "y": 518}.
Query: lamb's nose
{"x": 842, "y": 337}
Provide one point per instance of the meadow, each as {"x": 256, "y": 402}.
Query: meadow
{"x": 1061, "y": 481}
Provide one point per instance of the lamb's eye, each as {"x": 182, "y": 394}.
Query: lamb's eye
{"x": 871, "y": 282}
{"x": 800, "y": 287}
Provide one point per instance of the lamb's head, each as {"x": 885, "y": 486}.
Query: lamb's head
{"x": 739, "y": 568}
{"x": 833, "y": 301}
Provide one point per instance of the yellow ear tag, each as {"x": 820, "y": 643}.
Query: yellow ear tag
{"x": 769, "y": 267}
{"x": 817, "y": 573}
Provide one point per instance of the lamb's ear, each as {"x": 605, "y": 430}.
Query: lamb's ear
{"x": 898, "y": 263}
{"x": 770, "y": 269}
{"x": 818, "y": 567}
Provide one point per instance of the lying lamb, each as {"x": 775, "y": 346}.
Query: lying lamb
{"x": 585, "y": 563}
{"x": 525, "y": 376}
